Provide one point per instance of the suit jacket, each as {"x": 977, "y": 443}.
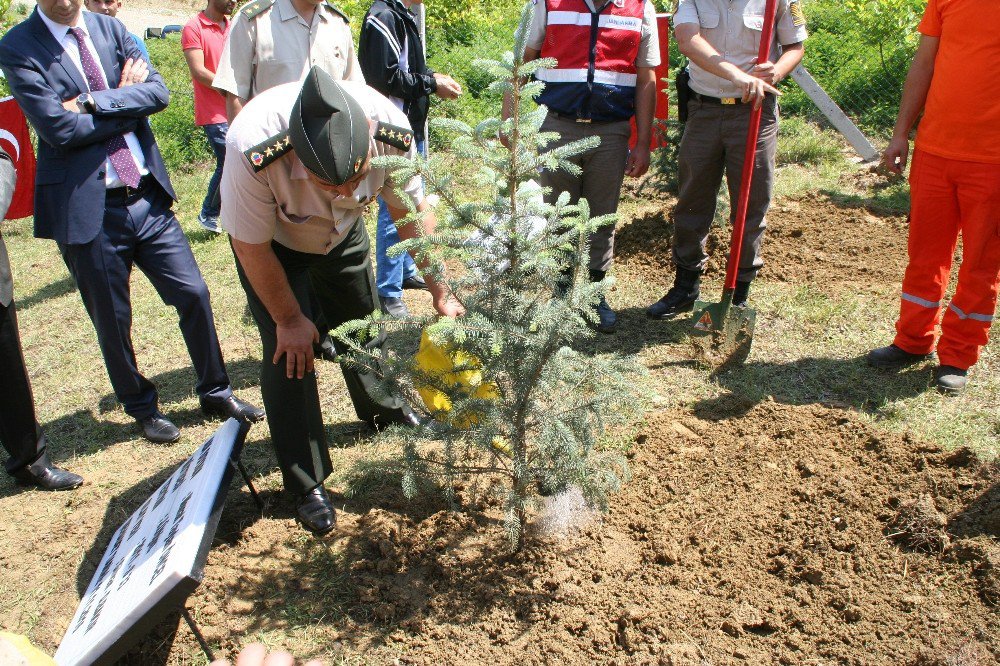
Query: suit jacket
{"x": 8, "y": 178}
{"x": 72, "y": 151}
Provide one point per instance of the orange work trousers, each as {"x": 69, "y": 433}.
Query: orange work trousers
{"x": 948, "y": 197}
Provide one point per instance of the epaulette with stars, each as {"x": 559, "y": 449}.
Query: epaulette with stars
{"x": 394, "y": 135}
{"x": 254, "y": 9}
{"x": 266, "y": 152}
{"x": 336, "y": 10}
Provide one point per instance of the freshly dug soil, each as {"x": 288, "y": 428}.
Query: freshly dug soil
{"x": 769, "y": 536}
{"x": 807, "y": 241}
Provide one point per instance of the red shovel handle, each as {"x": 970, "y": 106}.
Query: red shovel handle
{"x": 736, "y": 241}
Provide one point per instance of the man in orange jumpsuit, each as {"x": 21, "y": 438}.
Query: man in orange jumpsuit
{"x": 954, "y": 187}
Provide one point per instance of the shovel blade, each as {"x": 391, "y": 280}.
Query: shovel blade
{"x": 723, "y": 334}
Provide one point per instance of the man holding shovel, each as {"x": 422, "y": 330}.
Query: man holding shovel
{"x": 954, "y": 187}
{"x": 721, "y": 39}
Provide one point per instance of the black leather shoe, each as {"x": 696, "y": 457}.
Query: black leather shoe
{"x": 315, "y": 511}
{"x": 394, "y": 307}
{"x": 607, "y": 319}
{"x": 47, "y": 476}
{"x": 157, "y": 428}
{"x": 232, "y": 407}
{"x": 950, "y": 380}
{"x": 414, "y": 282}
{"x": 325, "y": 349}
{"x": 893, "y": 358}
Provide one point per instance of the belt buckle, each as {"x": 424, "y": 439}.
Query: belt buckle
{"x": 728, "y": 100}
{"x": 583, "y": 120}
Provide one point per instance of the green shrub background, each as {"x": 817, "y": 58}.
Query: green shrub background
{"x": 859, "y": 50}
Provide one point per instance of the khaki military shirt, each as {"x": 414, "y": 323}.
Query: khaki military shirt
{"x": 649, "y": 38}
{"x": 278, "y": 46}
{"x": 279, "y": 201}
{"x": 733, "y": 28}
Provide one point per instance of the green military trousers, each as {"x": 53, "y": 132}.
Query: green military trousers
{"x": 341, "y": 286}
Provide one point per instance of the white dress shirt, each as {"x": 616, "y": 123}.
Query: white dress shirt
{"x": 62, "y": 35}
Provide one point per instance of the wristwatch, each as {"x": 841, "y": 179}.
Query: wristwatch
{"x": 85, "y": 102}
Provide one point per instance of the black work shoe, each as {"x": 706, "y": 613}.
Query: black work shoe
{"x": 607, "y": 318}
{"x": 950, "y": 380}
{"x": 893, "y": 358}
{"x": 314, "y": 510}
{"x": 414, "y": 282}
{"x": 47, "y": 476}
{"x": 676, "y": 301}
{"x": 394, "y": 307}
{"x": 157, "y": 428}
{"x": 232, "y": 407}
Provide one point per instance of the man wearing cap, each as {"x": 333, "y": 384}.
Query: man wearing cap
{"x": 277, "y": 41}
{"x": 721, "y": 39}
{"x": 298, "y": 178}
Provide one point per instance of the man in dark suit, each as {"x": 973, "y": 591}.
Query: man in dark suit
{"x": 103, "y": 194}
{"x": 20, "y": 433}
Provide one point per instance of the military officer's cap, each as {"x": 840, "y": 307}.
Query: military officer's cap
{"x": 329, "y": 129}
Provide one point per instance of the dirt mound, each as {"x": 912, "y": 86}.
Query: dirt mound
{"x": 765, "y": 539}
{"x": 814, "y": 241}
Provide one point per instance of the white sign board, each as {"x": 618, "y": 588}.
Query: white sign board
{"x": 155, "y": 559}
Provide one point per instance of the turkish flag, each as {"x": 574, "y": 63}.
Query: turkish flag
{"x": 14, "y": 139}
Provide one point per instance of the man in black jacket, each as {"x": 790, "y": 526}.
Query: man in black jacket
{"x": 392, "y": 60}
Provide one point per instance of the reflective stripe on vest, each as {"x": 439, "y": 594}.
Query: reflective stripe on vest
{"x": 596, "y": 83}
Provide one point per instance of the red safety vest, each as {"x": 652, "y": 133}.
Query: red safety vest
{"x": 596, "y": 51}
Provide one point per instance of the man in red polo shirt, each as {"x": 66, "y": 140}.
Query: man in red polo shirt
{"x": 202, "y": 41}
{"x": 954, "y": 188}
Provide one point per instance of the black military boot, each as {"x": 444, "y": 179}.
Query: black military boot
{"x": 607, "y": 318}
{"x": 741, "y": 294}
{"x": 680, "y": 298}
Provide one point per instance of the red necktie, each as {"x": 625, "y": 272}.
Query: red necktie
{"x": 118, "y": 152}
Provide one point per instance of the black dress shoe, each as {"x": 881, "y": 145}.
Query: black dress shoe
{"x": 157, "y": 428}
{"x": 232, "y": 407}
{"x": 414, "y": 282}
{"x": 325, "y": 349}
{"x": 315, "y": 511}
{"x": 47, "y": 476}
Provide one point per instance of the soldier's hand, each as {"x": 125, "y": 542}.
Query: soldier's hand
{"x": 638, "y": 161}
{"x": 754, "y": 89}
{"x": 295, "y": 343}
{"x": 447, "y": 87}
{"x": 895, "y": 155}
{"x": 134, "y": 71}
{"x": 444, "y": 301}
{"x": 765, "y": 72}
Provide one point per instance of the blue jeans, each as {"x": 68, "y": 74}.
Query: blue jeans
{"x": 217, "y": 140}
{"x": 391, "y": 271}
